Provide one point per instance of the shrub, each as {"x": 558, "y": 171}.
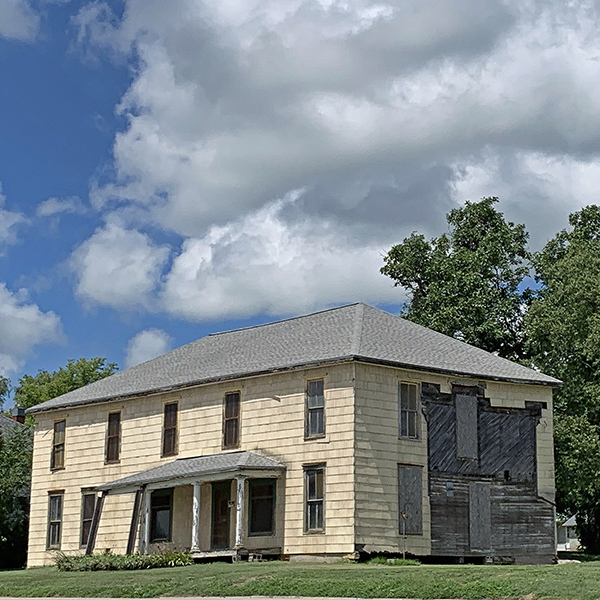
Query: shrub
{"x": 107, "y": 561}
{"x": 394, "y": 562}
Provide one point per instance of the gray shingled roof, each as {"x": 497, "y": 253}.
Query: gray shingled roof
{"x": 6, "y": 424}
{"x": 196, "y": 467}
{"x": 356, "y": 331}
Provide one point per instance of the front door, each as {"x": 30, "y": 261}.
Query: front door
{"x": 221, "y": 495}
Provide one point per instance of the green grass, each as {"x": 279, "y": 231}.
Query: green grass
{"x": 565, "y": 582}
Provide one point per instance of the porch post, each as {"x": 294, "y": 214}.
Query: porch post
{"x": 146, "y": 527}
{"x": 196, "y": 517}
{"x": 239, "y": 511}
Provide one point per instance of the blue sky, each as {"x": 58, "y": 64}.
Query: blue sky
{"x": 169, "y": 169}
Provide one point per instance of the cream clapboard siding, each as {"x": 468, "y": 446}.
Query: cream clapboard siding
{"x": 379, "y": 451}
{"x": 272, "y": 423}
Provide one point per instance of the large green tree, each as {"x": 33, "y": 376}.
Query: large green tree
{"x": 563, "y": 327}
{"x": 4, "y": 389}
{"x": 465, "y": 283}
{"x": 46, "y": 385}
{"x": 15, "y": 477}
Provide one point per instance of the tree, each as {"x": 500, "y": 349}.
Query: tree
{"x": 4, "y": 389}
{"x": 563, "y": 327}
{"x": 44, "y": 386}
{"x": 466, "y": 282}
{"x": 15, "y": 477}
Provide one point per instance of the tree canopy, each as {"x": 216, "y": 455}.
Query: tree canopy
{"x": 563, "y": 327}
{"x": 4, "y": 389}
{"x": 44, "y": 386}
{"x": 465, "y": 283}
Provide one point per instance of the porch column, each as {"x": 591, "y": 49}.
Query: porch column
{"x": 144, "y": 542}
{"x": 239, "y": 512}
{"x": 196, "y": 517}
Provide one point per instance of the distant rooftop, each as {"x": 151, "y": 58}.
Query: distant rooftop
{"x": 354, "y": 332}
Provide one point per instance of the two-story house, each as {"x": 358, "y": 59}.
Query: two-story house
{"x": 342, "y": 432}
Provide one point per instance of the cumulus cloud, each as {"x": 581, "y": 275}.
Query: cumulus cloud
{"x": 385, "y": 113}
{"x": 23, "y": 325}
{"x": 18, "y": 20}
{"x": 118, "y": 267}
{"x": 146, "y": 345}
{"x": 9, "y": 223}
{"x": 55, "y": 206}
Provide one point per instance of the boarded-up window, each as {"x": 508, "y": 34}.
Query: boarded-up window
{"x": 57, "y": 459}
{"x": 231, "y": 420}
{"x": 480, "y": 522}
{"x": 113, "y": 438}
{"x": 88, "y": 504}
{"x": 410, "y": 499}
{"x": 170, "y": 429}
{"x": 408, "y": 410}
{"x": 315, "y": 408}
{"x": 466, "y": 426}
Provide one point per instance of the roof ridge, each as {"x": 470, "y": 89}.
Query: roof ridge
{"x": 318, "y": 312}
{"x": 358, "y": 328}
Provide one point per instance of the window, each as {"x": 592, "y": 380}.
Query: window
{"x": 314, "y": 520}
{"x": 170, "y": 429}
{"x": 408, "y": 418}
{"x": 410, "y": 499}
{"x": 161, "y": 513}
{"x": 55, "y": 511}
{"x": 113, "y": 438}
{"x": 261, "y": 504}
{"x": 315, "y": 409}
{"x": 57, "y": 459}
{"x": 88, "y": 505}
{"x": 231, "y": 420}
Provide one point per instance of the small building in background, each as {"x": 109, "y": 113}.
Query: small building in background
{"x": 567, "y": 538}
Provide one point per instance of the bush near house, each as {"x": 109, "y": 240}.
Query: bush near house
{"x": 122, "y": 562}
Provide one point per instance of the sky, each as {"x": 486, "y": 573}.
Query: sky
{"x": 171, "y": 168}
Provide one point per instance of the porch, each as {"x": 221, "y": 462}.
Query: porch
{"x": 217, "y": 506}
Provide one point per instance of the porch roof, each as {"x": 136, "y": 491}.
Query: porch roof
{"x": 184, "y": 468}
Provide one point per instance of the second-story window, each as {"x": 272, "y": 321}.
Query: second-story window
{"x": 170, "y": 429}
{"x": 231, "y": 420}
{"x": 315, "y": 408}
{"x": 408, "y": 410}
{"x": 57, "y": 459}
{"x": 113, "y": 438}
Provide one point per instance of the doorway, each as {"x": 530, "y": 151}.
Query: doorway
{"x": 221, "y": 496}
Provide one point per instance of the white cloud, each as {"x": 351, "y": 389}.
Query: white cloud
{"x": 18, "y": 20}
{"x": 22, "y": 327}
{"x": 55, "y": 206}
{"x": 146, "y": 345}
{"x": 259, "y": 264}
{"x": 118, "y": 267}
{"x": 387, "y": 113}
{"x": 9, "y": 222}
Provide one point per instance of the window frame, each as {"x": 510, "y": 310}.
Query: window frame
{"x": 161, "y": 493}
{"x": 175, "y": 450}
{"x": 55, "y": 522}
{"x": 236, "y": 418}
{"x": 409, "y": 411}
{"x": 309, "y": 411}
{"x": 56, "y": 445}
{"x": 255, "y": 483}
{"x": 86, "y": 493}
{"x": 308, "y": 469}
{"x": 109, "y": 437}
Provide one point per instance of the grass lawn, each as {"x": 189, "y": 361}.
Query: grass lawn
{"x": 568, "y": 581}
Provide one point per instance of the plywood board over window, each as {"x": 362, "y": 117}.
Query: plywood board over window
{"x": 410, "y": 499}
{"x": 466, "y": 427}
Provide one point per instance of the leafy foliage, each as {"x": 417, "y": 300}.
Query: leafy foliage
{"x": 466, "y": 282}
{"x": 44, "y": 386}
{"x": 4, "y": 389}
{"x": 563, "y": 326}
{"x": 107, "y": 561}
{"x": 15, "y": 477}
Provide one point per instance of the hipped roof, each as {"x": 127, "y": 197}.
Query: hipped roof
{"x": 354, "y": 332}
